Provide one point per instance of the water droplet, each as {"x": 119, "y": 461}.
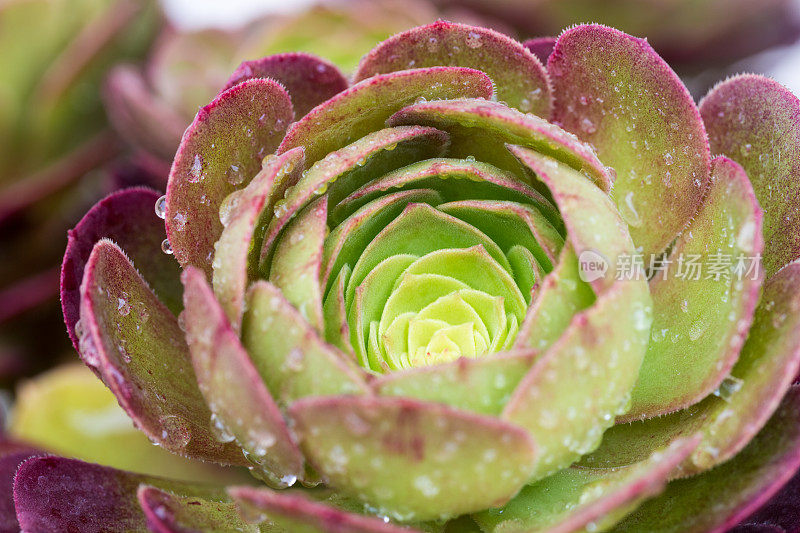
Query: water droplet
{"x": 729, "y": 386}
{"x": 161, "y": 207}
{"x": 420, "y": 100}
{"x": 166, "y": 247}
{"x": 196, "y": 172}
{"x": 295, "y": 360}
{"x": 179, "y": 221}
{"x": 668, "y": 159}
{"x": 219, "y": 430}
{"x": 175, "y": 432}
{"x": 234, "y": 175}
{"x": 123, "y": 307}
{"x": 629, "y": 212}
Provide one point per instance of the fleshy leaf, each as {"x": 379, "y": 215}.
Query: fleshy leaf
{"x": 11, "y": 456}
{"x": 413, "y": 460}
{"x": 350, "y": 167}
{"x": 241, "y": 404}
{"x": 700, "y": 324}
{"x": 756, "y": 122}
{"x": 68, "y": 411}
{"x": 480, "y": 129}
{"x": 58, "y": 494}
{"x": 720, "y": 498}
{"x": 599, "y": 355}
{"x": 221, "y": 151}
{"x": 166, "y": 512}
{"x": 483, "y": 385}
{"x": 613, "y": 91}
{"x": 365, "y": 107}
{"x": 247, "y": 213}
{"x": 293, "y": 512}
{"x": 729, "y": 419}
{"x": 290, "y": 356}
{"x": 296, "y": 262}
{"x": 519, "y": 78}
{"x": 134, "y": 343}
{"x": 127, "y": 217}
{"x": 585, "y": 499}
{"x": 308, "y": 79}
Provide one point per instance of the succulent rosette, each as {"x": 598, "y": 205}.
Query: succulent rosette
{"x": 388, "y": 304}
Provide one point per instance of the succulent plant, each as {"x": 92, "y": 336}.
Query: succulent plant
{"x": 54, "y": 138}
{"x": 412, "y": 303}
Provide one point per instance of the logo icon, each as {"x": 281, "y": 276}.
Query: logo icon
{"x": 592, "y": 265}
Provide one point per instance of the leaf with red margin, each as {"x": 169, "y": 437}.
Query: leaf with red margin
{"x": 240, "y": 401}
{"x": 520, "y": 79}
{"x": 12, "y": 454}
{"x": 585, "y": 499}
{"x": 289, "y": 354}
{"x": 128, "y": 218}
{"x": 221, "y": 151}
{"x": 293, "y": 512}
{"x": 133, "y": 342}
{"x": 59, "y": 494}
{"x": 781, "y": 512}
{"x": 413, "y": 460}
{"x": 756, "y": 122}
{"x": 170, "y": 513}
{"x": 720, "y": 498}
{"x": 598, "y": 355}
{"x": 249, "y": 211}
{"x": 699, "y": 325}
{"x": 541, "y": 47}
{"x": 481, "y": 129}
{"x": 308, "y": 79}
{"x": 364, "y": 107}
{"x": 767, "y": 365}
{"x": 615, "y": 92}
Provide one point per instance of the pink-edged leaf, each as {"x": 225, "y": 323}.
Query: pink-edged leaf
{"x": 11, "y": 456}
{"x": 308, "y": 79}
{"x": 480, "y": 129}
{"x": 781, "y": 512}
{"x": 483, "y": 385}
{"x": 128, "y": 218}
{"x": 592, "y": 221}
{"x": 139, "y": 116}
{"x": 293, "y": 512}
{"x": 613, "y": 91}
{"x": 720, "y": 498}
{"x": 246, "y": 214}
{"x": 699, "y": 325}
{"x": 291, "y": 357}
{"x": 166, "y": 512}
{"x": 519, "y": 77}
{"x": 541, "y": 47}
{"x": 134, "y": 343}
{"x": 413, "y": 460}
{"x": 58, "y": 494}
{"x": 599, "y": 355}
{"x": 348, "y": 168}
{"x": 241, "y": 403}
{"x": 221, "y": 152}
{"x": 585, "y": 499}
{"x": 756, "y": 122}
{"x": 296, "y": 263}
{"x": 729, "y": 419}
{"x": 364, "y": 107}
